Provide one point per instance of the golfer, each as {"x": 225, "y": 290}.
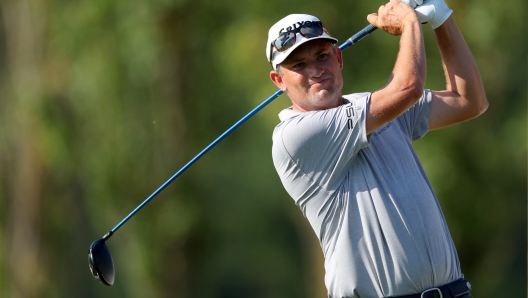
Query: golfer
{"x": 347, "y": 160}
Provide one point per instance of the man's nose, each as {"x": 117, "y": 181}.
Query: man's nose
{"x": 315, "y": 70}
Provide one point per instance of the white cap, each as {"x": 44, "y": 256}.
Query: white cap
{"x": 289, "y": 23}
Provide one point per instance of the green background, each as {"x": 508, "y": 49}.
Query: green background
{"x": 102, "y": 101}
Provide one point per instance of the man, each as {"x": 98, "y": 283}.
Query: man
{"x": 348, "y": 163}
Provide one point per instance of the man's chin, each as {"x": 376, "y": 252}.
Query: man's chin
{"x": 329, "y": 102}
{"x": 328, "y": 95}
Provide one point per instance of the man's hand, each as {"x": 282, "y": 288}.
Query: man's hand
{"x": 393, "y": 17}
{"x": 434, "y": 12}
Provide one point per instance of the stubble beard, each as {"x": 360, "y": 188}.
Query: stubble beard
{"x": 327, "y": 98}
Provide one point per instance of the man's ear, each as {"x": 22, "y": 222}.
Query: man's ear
{"x": 339, "y": 55}
{"x": 277, "y": 80}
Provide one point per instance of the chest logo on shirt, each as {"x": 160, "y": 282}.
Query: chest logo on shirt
{"x": 381, "y": 130}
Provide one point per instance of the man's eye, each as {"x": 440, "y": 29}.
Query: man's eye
{"x": 299, "y": 65}
{"x": 323, "y": 56}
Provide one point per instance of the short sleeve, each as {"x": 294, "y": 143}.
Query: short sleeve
{"x": 415, "y": 121}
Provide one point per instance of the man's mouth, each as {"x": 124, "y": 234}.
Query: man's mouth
{"x": 320, "y": 83}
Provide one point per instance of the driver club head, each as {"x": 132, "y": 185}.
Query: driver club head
{"x": 101, "y": 263}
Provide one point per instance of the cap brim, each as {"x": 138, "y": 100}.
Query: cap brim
{"x": 300, "y": 40}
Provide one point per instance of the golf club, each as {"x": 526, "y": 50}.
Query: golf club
{"x": 99, "y": 258}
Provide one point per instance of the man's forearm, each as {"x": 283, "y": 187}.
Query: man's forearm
{"x": 410, "y": 67}
{"x": 407, "y": 80}
{"x": 460, "y": 68}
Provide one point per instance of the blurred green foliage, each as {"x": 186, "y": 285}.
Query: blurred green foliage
{"x": 102, "y": 101}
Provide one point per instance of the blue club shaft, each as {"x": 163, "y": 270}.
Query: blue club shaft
{"x": 352, "y": 40}
{"x": 358, "y": 36}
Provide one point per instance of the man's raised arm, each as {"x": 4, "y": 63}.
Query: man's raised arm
{"x": 407, "y": 81}
{"x": 464, "y": 97}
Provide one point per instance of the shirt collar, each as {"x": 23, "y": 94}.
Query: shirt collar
{"x": 290, "y": 112}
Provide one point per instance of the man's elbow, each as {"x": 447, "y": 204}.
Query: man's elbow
{"x": 410, "y": 90}
{"x": 476, "y": 97}
{"x": 478, "y": 106}
{"x": 482, "y": 105}
{"x": 416, "y": 91}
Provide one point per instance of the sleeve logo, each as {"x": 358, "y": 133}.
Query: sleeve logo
{"x": 351, "y": 115}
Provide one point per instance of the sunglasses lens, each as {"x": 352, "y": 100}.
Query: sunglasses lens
{"x": 285, "y": 41}
{"x": 313, "y": 31}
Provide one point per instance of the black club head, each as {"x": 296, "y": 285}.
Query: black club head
{"x": 101, "y": 263}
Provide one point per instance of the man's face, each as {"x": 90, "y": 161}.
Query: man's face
{"x": 311, "y": 75}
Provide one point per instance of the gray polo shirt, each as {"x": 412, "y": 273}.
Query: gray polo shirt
{"x": 367, "y": 198}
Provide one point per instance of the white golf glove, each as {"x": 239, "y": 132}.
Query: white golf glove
{"x": 412, "y": 3}
{"x": 435, "y": 12}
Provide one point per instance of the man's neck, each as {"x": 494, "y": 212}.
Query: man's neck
{"x": 298, "y": 108}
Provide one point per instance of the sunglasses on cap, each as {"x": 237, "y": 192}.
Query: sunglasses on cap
{"x": 287, "y": 39}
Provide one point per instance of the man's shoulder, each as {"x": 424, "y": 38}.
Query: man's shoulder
{"x": 288, "y": 113}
